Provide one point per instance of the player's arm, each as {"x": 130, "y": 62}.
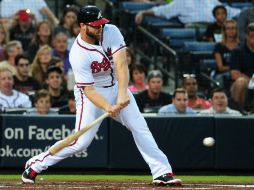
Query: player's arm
{"x": 100, "y": 101}
{"x": 122, "y": 76}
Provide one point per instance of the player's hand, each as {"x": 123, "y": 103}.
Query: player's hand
{"x": 123, "y": 100}
{"x": 139, "y": 17}
{"x": 113, "y": 110}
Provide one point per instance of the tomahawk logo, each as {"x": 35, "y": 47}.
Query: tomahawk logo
{"x": 99, "y": 15}
{"x": 98, "y": 67}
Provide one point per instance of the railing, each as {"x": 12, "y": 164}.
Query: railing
{"x": 156, "y": 52}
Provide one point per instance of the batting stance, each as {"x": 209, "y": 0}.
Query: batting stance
{"x": 98, "y": 60}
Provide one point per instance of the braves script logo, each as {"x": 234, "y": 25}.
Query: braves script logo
{"x": 105, "y": 64}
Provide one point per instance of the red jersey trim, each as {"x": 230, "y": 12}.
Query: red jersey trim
{"x": 111, "y": 74}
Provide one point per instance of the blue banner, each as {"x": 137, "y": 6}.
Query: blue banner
{"x": 26, "y": 136}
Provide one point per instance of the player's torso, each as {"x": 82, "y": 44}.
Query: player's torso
{"x": 93, "y": 64}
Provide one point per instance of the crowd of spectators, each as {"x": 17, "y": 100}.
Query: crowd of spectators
{"x": 232, "y": 29}
{"x": 34, "y": 57}
{"x": 34, "y": 60}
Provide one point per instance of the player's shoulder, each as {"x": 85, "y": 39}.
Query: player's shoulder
{"x": 110, "y": 28}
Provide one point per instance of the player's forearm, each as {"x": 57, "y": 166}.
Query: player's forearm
{"x": 122, "y": 73}
{"x": 96, "y": 98}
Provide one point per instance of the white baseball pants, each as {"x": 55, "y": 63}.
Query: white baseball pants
{"x": 130, "y": 117}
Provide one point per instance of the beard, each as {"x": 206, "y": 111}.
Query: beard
{"x": 94, "y": 36}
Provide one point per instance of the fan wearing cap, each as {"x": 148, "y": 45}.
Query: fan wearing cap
{"x": 98, "y": 60}
{"x": 23, "y": 30}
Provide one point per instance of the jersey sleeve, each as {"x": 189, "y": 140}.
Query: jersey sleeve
{"x": 81, "y": 68}
{"x": 114, "y": 38}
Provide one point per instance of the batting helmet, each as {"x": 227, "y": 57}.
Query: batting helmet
{"x": 91, "y": 15}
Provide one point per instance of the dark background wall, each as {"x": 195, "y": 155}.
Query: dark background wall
{"x": 180, "y": 138}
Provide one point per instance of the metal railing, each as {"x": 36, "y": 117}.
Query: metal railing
{"x": 157, "y": 53}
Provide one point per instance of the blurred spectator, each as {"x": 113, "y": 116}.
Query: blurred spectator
{"x": 242, "y": 69}
{"x": 59, "y": 96}
{"x": 245, "y": 18}
{"x": 238, "y": 97}
{"x": 130, "y": 56}
{"x": 137, "y": 76}
{"x": 10, "y": 98}
{"x": 222, "y": 52}
{"x": 38, "y": 8}
{"x": 60, "y": 50}
{"x": 40, "y": 64}
{"x": 22, "y": 81}
{"x": 150, "y": 100}
{"x": 42, "y": 104}
{"x": 12, "y": 49}
{"x": 3, "y": 41}
{"x": 42, "y": 36}
{"x": 179, "y": 104}
{"x": 219, "y": 101}
{"x": 74, "y": 31}
{"x": 191, "y": 86}
{"x": 71, "y": 107}
{"x": 189, "y": 12}
{"x": 68, "y": 19}
{"x": 213, "y": 31}
{"x": 23, "y": 30}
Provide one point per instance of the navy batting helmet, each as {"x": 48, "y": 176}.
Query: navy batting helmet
{"x": 91, "y": 15}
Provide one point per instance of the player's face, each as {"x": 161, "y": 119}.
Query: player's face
{"x": 54, "y": 80}
{"x": 43, "y": 105}
{"x": 94, "y": 32}
{"x": 23, "y": 67}
{"x": 219, "y": 101}
{"x": 180, "y": 101}
{"x": 6, "y": 81}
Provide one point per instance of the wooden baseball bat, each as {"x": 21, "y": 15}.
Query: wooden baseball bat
{"x": 68, "y": 140}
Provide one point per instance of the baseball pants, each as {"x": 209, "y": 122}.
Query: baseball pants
{"x": 130, "y": 117}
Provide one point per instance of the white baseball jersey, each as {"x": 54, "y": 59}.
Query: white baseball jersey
{"x": 16, "y": 100}
{"x": 93, "y": 64}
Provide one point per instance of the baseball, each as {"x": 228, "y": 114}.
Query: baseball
{"x": 208, "y": 141}
{"x": 41, "y": 179}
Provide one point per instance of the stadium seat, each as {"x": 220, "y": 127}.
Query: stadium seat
{"x": 178, "y": 36}
{"x": 135, "y": 6}
{"x": 241, "y": 5}
{"x": 199, "y": 46}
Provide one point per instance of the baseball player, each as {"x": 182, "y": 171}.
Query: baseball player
{"x": 98, "y": 60}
